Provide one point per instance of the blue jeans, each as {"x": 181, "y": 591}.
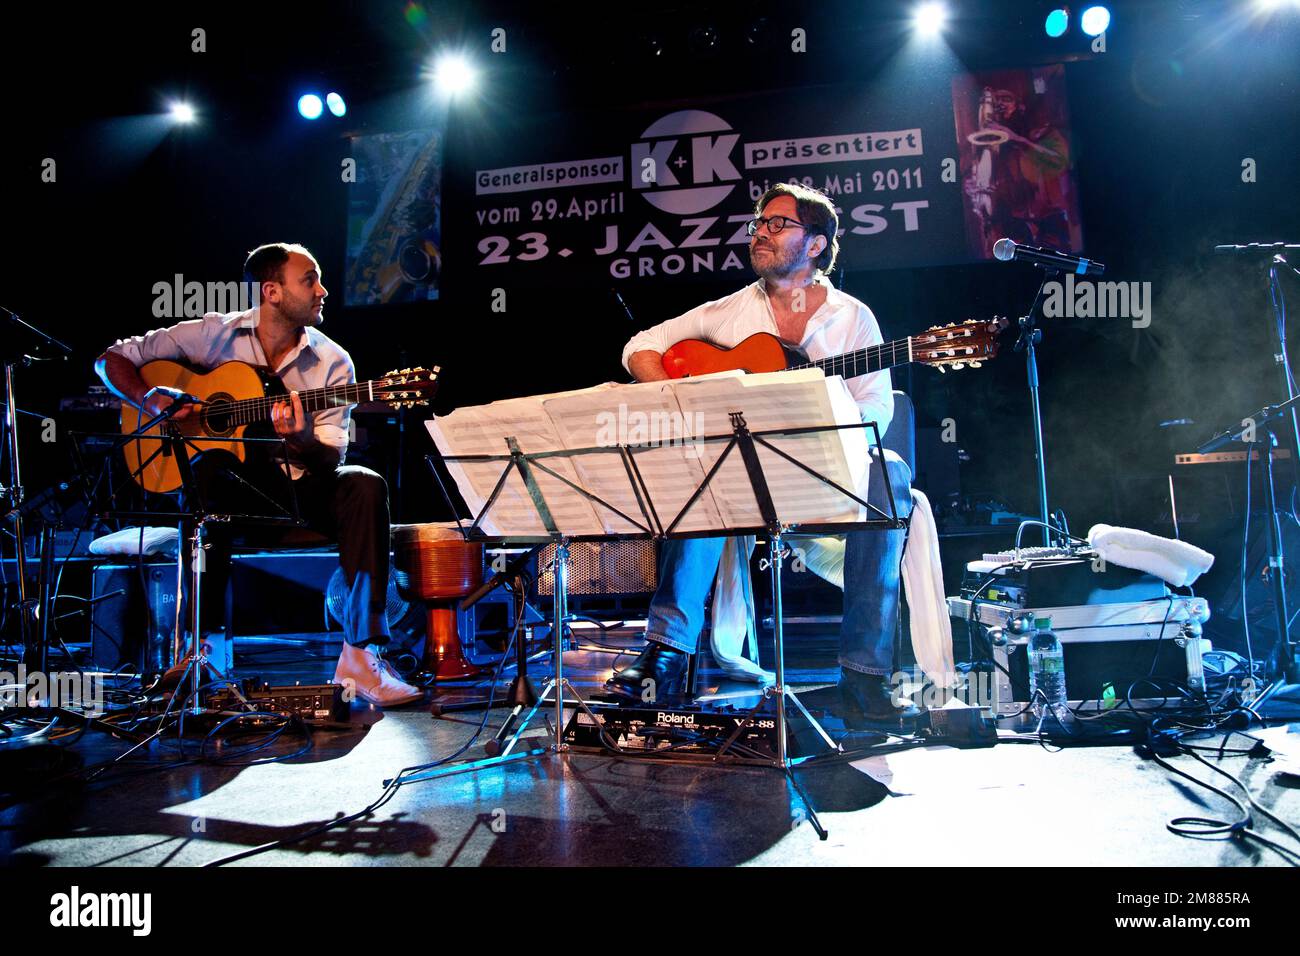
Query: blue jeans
{"x": 872, "y": 570}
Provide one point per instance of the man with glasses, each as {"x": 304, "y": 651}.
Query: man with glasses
{"x": 792, "y": 248}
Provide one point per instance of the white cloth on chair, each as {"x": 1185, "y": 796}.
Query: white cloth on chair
{"x": 1169, "y": 559}
{"x": 734, "y": 636}
{"x": 733, "y": 631}
{"x": 927, "y": 604}
{"x": 128, "y": 541}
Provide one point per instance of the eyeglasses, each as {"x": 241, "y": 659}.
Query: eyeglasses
{"x": 774, "y": 224}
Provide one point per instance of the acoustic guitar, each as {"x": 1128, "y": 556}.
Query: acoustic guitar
{"x": 944, "y": 346}
{"x": 236, "y": 396}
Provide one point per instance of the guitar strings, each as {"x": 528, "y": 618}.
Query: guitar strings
{"x": 248, "y": 410}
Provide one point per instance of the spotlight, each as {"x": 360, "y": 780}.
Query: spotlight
{"x": 336, "y": 104}
{"x": 1095, "y": 20}
{"x": 310, "y": 106}
{"x": 1058, "y": 21}
{"x": 453, "y": 74}
{"x": 929, "y": 18}
{"x": 703, "y": 40}
{"x": 182, "y": 113}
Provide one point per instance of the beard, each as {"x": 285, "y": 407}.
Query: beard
{"x": 302, "y": 311}
{"x": 776, "y": 263}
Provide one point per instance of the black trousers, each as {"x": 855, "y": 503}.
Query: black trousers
{"x": 348, "y": 505}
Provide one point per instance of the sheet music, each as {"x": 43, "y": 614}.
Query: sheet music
{"x": 779, "y": 400}
{"x": 481, "y": 430}
{"x": 661, "y": 422}
{"x": 648, "y": 417}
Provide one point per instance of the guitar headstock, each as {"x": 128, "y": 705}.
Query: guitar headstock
{"x": 407, "y": 387}
{"x": 961, "y": 343}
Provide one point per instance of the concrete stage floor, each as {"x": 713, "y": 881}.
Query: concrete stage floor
{"x": 1013, "y": 804}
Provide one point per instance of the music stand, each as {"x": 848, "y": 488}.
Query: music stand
{"x": 769, "y": 522}
{"x": 191, "y": 525}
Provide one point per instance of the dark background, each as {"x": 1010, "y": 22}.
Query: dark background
{"x": 1161, "y": 123}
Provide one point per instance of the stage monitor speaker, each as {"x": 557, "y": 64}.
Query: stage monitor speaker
{"x": 603, "y": 568}
{"x": 132, "y": 625}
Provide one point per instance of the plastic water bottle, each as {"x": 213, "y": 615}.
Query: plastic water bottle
{"x": 1047, "y": 671}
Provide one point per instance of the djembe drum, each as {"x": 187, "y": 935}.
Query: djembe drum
{"x": 441, "y": 569}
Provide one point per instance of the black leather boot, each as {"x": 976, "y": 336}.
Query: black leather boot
{"x": 664, "y": 665}
{"x": 866, "y": 702}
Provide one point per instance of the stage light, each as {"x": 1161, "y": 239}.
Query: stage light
{"x": 1095, "y": 20}
{"x": 703, "y": 40}
{"x": 1058, "y": 21}
{"x": 453, "y": 74}
{"x": 929, "y": 18}
{"x": 310, "y": 106}
{"x": 181, "y": 113}
{"x": 336, "y": 104}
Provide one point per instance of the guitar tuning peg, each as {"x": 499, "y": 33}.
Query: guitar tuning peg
{"x": 976, "y": 364}
{"x": 957, "y": 365}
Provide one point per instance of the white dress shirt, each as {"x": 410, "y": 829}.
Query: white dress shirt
{"x": 842, "y": 324}
{"x": 316, "y": 361}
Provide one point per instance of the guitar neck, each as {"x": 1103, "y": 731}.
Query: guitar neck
{"x": 873, "y": 358}
{"x": 250, "y": 410}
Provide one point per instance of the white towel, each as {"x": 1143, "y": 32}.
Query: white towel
{"x": 927, "y": 606}
{"x": 1175, "y": 562}
{"x": 733, "y": 598}
{"x": 734, "y": 638}
{"x": 127, "y": 542}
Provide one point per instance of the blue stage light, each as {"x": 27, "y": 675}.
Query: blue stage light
{"x": 453, "y": 74}
{"x": 1058, "y": 21}
{"x": 1095, "y": 20}
{"x": 310, "y": 106}
{"x": 336, "y": 104}
{"x": 929, "y": 18}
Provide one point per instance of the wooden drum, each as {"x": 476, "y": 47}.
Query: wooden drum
{"x": 441, "y": 569}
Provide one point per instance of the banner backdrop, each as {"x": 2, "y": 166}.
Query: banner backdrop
{"x": 395, "y": 218}
{"x": 649, "y": 194}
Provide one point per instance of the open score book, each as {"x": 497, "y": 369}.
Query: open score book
{"x": 663, "y": 424}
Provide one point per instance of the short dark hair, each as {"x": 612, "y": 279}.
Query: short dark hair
{"x": 815, "y": 211}
{"x": 266, "y": 263}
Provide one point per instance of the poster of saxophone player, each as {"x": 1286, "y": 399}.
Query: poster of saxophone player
{"x": 1013, "y": 132}
{"x": 395, "y": 218}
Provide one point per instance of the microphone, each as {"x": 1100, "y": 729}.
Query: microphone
{"x": 1005, "y": 250}
{"x": 177, "y": 396}
{"x": 626, "y": 310}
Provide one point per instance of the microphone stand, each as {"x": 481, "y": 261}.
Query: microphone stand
{"x": 33, "y": 340}
{"x": 1284, "y": 660}
{"x": 1030, "y": 336}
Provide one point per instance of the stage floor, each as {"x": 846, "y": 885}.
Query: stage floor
{"x": 1010, "y": 805}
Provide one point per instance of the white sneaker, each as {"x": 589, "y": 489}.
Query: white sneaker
{"x": 373, "y": 679}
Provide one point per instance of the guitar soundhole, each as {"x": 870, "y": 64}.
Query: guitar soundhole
{"x": 218, "y": 422}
